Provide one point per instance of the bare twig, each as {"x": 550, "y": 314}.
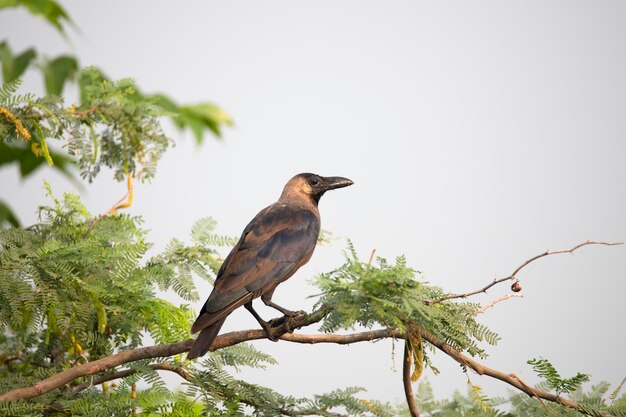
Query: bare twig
{"x": 498, "y": 300}
{"x": 519, "y": 268}
{"x": 75, "y": 112}
{"x": 124, "y": 202}
{"x": 369, "y": 263}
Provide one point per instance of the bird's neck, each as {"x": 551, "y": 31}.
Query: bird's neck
{"x": 299, "y": 199}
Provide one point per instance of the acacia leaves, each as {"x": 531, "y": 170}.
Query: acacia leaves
{"x": 115, "y": 125}
{"x": 82, "y": 286}
{"x": 546, "y": 370}
{"x": 394, "y": 296}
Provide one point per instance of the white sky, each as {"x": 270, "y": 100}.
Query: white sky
{"x": 478, "y": 134}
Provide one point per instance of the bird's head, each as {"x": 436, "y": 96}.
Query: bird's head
{"x": 312, "y": 186}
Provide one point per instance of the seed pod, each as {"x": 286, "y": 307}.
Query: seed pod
{"x": 516, "y": 287}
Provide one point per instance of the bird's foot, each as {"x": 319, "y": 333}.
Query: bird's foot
{"x": 281, "y": 325}
{"x": 290, "y": 319}
{"x": 271, "y": 329}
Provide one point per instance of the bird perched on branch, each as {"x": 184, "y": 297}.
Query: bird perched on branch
{"x": 279, "y": 240}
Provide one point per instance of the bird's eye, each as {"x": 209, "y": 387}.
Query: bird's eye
{"x": 315, "y": 182}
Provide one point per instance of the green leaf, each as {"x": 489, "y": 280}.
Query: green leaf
{"x": 57, "y": 71}
{"x": 202, "y": 229}
{"x": 196, "y": 117}
{"x": 165, "y": 103}
{"x": 29, "y": 162}
{"x": 546, "y": 370}
{"x": 7, "y": 215}
{"x": 9, "y": 3}
{"x": 50, "y": 10}
{"x": 204, "y": 115}
{"x": 14, "y": 66}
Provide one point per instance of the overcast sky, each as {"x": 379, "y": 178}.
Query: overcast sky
{"x": 478, "y": 134}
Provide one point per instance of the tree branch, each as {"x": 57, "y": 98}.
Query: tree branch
{"x": 510, "y": 379}
{"x": 101, "y": 365}
{"x": 519, "y": 268}
{"x": 232, "y": 338}
{"x": 128, "y": 372}
{"x": 496, "y": 301}
{"x": 406, "y": 381}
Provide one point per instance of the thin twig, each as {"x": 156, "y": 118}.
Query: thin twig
{"x": 519, "y": 268}
{"x": 369, "y": 263}
{"x": 126, "y": 200}
{"x": 75, "y": 112}
{"x": 498, "y": 300}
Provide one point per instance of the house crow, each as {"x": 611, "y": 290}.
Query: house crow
{"x": 279, "y": 240}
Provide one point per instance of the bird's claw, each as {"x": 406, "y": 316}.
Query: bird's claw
{"x": 281, "y": 325}
{"x": 270, "y": 330}
{"x": 288, "y": 319}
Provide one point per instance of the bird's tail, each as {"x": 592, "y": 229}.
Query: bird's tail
{"x": 205, "y": 339}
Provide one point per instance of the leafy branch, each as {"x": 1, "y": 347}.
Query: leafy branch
{"x": 116, "y": 125}
{"x": 229, "y": 339}
{"x": 546, "y": 370}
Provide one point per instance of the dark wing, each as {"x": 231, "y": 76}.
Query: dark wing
{"x": 272, "y": 247}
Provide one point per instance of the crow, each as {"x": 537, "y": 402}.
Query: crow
{"x": 279, "y": 240}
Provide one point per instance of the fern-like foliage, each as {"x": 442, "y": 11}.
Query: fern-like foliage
{"x": 72, "y": 288}
{"x": 547, "y": 371}
{"x": 177, "y": 264}
{"x": 118, "y": 128}
{"x": 394, "y": 295}
{"x": 225, "y": 395}
{"x": 8, "y": 93}
{"x": 593, "y": 403}
{"x": 114, "y": 127}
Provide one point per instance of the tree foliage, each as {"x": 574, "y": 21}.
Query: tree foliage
{"x": 115, "y": 125}
{"x": 394, "y": 295}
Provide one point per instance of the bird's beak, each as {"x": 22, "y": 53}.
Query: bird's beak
{"x": 330, "y": 183}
